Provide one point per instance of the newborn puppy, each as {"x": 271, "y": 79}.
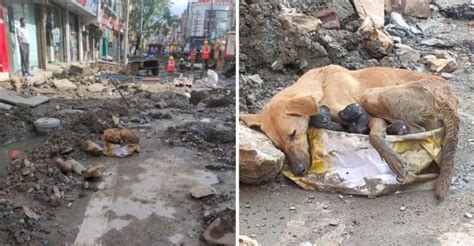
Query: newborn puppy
{"x": 356, "y": 118}
{"x": 351, "y": 113}
{"x": 323, "y": 120}
{"x": 397, "y": 127}
{"x": 361, "y": 126}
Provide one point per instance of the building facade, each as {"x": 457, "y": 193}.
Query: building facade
{"x": 61, "y": 31}
{"x": 206, "y": 19}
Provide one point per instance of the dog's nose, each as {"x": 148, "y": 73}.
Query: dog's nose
{"x": 299, "y": 169}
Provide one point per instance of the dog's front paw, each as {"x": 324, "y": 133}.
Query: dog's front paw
{"x": 398, "y": 165}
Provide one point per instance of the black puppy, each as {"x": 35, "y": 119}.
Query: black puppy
{"x": 397, "y": 127}
{"x": 356, "y": 119}
{"x": 323, "y": 120}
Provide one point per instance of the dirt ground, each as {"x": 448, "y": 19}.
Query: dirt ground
{"x": 143, "y": 199}
{"x": 281, "y": 213}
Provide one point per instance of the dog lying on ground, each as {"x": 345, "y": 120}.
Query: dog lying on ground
{"x": 422, "y": 101}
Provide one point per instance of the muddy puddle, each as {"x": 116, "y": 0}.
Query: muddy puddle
{"x": 21, "y": 146}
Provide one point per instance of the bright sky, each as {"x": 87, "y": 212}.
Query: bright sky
{"x": 178, "y": 6}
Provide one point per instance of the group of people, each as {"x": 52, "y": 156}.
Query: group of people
{"x": 205, "y": 52}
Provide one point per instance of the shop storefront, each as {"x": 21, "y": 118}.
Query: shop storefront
{"x": 54, "y": 44}
{"x": 74, "y": 37}
{"x": 16, "y": 10}
{"x": 112, "y": 40}
{"x": 94, "y": 39}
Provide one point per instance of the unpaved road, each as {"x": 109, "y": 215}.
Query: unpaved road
{"x": 265, "y": 210}
{"x": 143, "y": 199}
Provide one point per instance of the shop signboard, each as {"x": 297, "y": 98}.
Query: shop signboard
{"x": 230, "y": 45}
{"x": 89, "y": 5}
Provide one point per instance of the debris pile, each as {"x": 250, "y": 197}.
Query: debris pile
{"x": 279, "y": 42}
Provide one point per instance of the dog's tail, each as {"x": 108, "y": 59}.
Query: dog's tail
{"x": 447, "y": 102}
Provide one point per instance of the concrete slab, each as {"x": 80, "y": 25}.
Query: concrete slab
{"x": 5, "y": 106}
{"x": 15, "y": 98}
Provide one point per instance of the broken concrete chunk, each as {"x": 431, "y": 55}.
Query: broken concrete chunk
{"x": 30, "y": 214}
{"x": 419, "y": 8}
{"x": 93, "y": 171}
{"x": 220, "y": 232}
{"x": 75, "y": 69}
{"x": 15, "y": 98}
{"x": 247, "y": 241}
{"x": 406, "y": 53}
{"x": 377, "y": 41}
{"x": 5, "y": 106}
{"x": 92, "y": 148}
{"x": 64, "y": 84}
{"x": 202, "y": 191}
{"x": 397, "y": 20}
{"x": 371, "y": 8}
{"x": 440, "y": 65}
{"x": 260, "y": 160}
{"x": 64, "y": 166}
{"x": 328, "y": 18}
{"x": 301, "y": 22}
{"x": 76, "y": 166}
{"x": 436, "y": 42}
{"x": 97, "y": 87}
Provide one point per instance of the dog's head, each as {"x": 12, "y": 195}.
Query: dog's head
{"x": 285, "y": 122}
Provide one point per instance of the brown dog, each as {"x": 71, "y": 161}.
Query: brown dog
{"x": 286, "y": 117}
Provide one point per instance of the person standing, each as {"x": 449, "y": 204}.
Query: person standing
{"x": 217, "y": 52}
{"x": 206, "y": 50}
{"x": 24, "y": 43}
{"x": 192, "y": 57}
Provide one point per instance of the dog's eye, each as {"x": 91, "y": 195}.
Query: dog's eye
{"x": 293, "y": 135}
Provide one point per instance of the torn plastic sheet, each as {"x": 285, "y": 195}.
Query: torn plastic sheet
{"x": 347, "y": 163}
{"x": 118, "y": 150}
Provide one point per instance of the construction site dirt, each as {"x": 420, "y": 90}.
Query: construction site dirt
{"x": 275, "y": 52}
{"x": 145, "y": 198}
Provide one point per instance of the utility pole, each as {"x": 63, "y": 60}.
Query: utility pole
{"x": 211, "y": 15}
{"x": 127, "y": 16}
{"x": 141, "y": 19}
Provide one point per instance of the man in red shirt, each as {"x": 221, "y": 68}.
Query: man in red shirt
{"x": 206, "y": 50}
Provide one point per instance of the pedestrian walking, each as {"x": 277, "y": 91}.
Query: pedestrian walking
{"x": 24, "y": 43}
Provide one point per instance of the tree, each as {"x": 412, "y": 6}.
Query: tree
{"x": 157, "y": 18}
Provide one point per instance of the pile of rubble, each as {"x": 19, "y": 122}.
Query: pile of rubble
{"x": 279, "y": 42}
{"x": 52, "y": 174}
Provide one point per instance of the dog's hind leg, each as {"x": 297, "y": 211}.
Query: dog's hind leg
{"x": 426, "y": 104}
{"x": 377, "y": 139}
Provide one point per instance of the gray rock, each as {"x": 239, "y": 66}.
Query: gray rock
{"x": 406, "y": 53}
{"x": 260, "y": 160}
{"x": 436, "y": 42}
{"x": 64, "y": 84}
{"x": 97, "y": 87}
{"x": 202, "y": 191}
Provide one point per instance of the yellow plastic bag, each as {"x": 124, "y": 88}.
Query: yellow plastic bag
{"x": 347, "y": 163}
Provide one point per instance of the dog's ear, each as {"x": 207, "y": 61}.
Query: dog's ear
{"x": 302, "y": 106}
{"x": 251, "y": 120}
